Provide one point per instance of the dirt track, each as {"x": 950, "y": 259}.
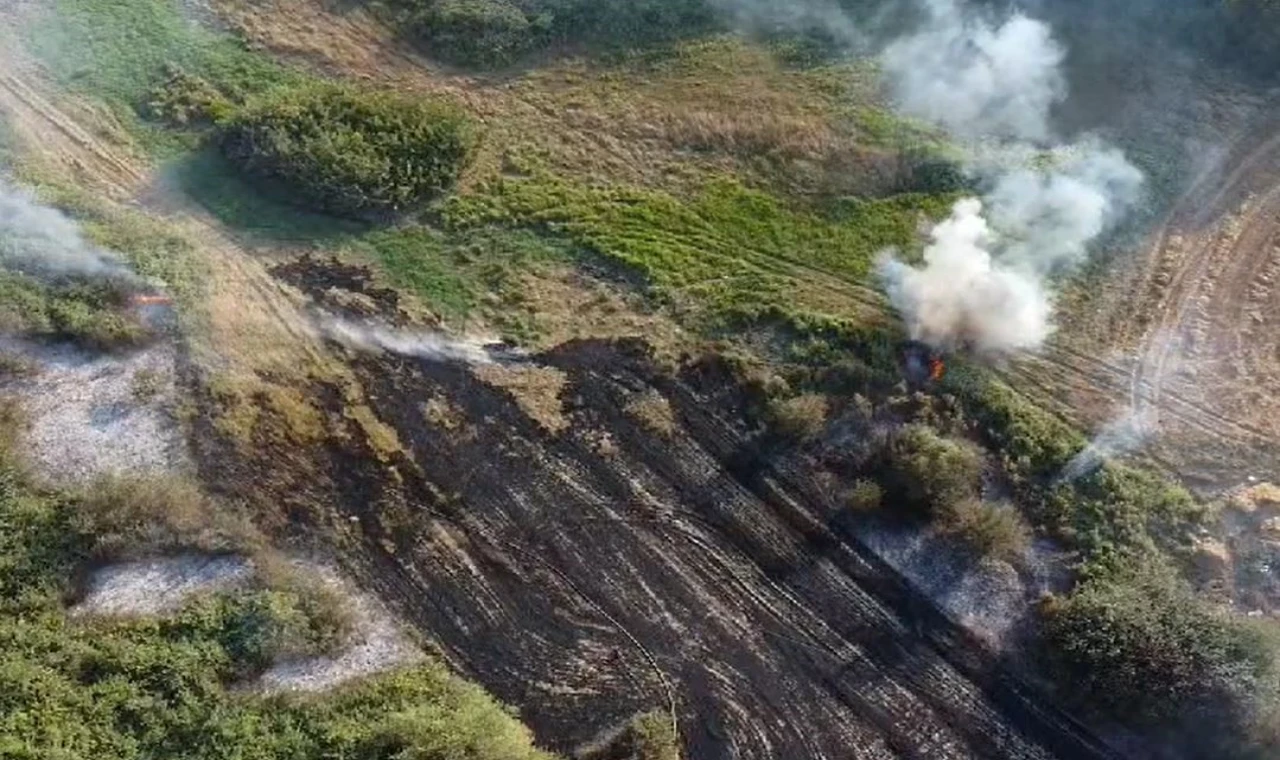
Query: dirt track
{"x": 1194, "y": 330}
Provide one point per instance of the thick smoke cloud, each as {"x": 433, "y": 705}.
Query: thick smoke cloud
{"x": 43, "y": 241}
{"x": 976, "y": 78}
{"x": 962, "y": 297}
{"x": 984, "y": 283}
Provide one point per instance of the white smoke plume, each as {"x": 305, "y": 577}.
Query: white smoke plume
{"x": 39, "y": 240}
{"x": 976, "y": 78}
{"x": 985, "y": 280}
{"x": 963, "y": 298}
{"x": 1122, "y": 435}
{"x": 434, "y": 346}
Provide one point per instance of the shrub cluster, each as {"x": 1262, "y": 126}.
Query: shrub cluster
{"x": 800, "y": 418}
{"x": 497, "y": 32}
{"x": 927, "y": 473}
{"x": 93, "y": 314}
{"x": 351, "y": 152}
{"x": 1141, "y": 646}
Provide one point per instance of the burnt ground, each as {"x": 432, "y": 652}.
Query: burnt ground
{"x": 609, "y": 569}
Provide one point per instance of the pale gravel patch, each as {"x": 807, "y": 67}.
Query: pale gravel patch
{"x": 377, "y": 644}
{"x": 150, "y": 587}
{"x": 84, "y": 419}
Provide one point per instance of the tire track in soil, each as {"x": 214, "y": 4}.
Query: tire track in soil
{"x": 1194, "y": 215}
{"x": 59, "y": 135}
{"x": 1208, "y": 282}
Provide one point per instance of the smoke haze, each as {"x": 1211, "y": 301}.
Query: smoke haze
{"x": 40, "y": 240}
{"x": 962, "y": 297}
{"x": 1122, "y": 435}
{"x": 984, "y": 282}
{"x": 975, "y": 78}
{"x": 433, "y": 346}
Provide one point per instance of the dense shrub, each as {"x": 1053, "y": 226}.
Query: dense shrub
{"x": 184, "y": 100}
{"x": 928, "y": 473}
{"x": 864, "y": 496}
{"x": 800, "y": 418}
{"x": 987, "y": 529}
{"x": 1141, "y": 646}
{"x": 496, "y": 32}
{"x": 93, "y": 314}
{"x": 351, "y": 152}
{"x": 476, "y": 32}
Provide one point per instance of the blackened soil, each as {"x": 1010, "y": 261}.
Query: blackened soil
{"x": 324, "y": 281}
{"x": 608, "y": 570}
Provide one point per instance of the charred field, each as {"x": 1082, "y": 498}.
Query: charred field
{"x": 609, "y": 569}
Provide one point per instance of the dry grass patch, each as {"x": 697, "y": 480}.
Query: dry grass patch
{"x": 304, "y": 423}
{"x": 653, "y": 411}
{"x": 132, "y": 516}
{"x": 381, "y": 437}
{"x": 801, "y": 418}
{"x": 535, "y": 389}
{"x": 443, "y": 413}
{"x": 989, "y": 530}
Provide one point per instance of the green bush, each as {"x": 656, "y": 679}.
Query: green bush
{"x": 184, "y": 100}
{"x": 928, "y": 473}
{"x": 800, "y": 418}
{"x": 1141, "y": 646}
{"x": 988, "y": 530}
{"x": 475, "y": 32}
{"x": 351, "y": 152}
{"x": 91, "y": 314}
{"x": 864, "y": 496}
{"x": 497, "y": 32}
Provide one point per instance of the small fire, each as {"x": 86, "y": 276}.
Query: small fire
{"x": 937, "y": 368}
{"x": 150, "y": 300}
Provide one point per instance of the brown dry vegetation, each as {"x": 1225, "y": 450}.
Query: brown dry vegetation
{"x": 733, "y": 105}
{"x": 654, "y": 412}
{"x": 536, "y": 389}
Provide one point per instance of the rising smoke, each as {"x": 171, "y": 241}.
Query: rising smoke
{"x": 976, "y": 78}
{"x": 434, "y": 346}
{"x": 1122, "y": 435}
{"x": 985, "y": 282}
{"x": 38, "y": 240}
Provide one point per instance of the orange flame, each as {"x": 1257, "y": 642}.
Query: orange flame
{"x": 937, "y": 368}
{"x": 155, "y": 300}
